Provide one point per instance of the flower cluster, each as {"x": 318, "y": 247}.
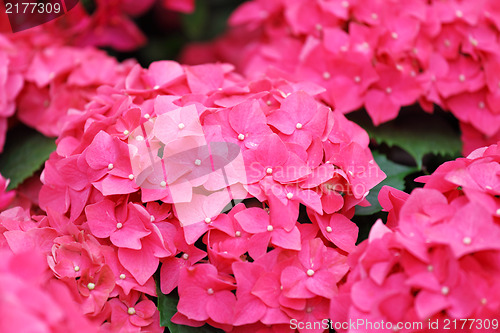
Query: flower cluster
{"x": 215, "y": 178}
{"x": 438, "y": 257}
{"x": 378, "y": 55}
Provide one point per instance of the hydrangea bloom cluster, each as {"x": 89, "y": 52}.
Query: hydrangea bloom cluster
{"x": 378, "y": 55}
{"x": 128, "y": 189}
{"x": 438, "y": 257}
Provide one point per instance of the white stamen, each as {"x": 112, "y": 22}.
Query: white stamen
{"x": 309, "y": 309}
{"x": 119, "y": 225}
{"x": 210, "y": 291}
{"x": 269, "y": 171}
{"x": 152, "y": 218}
{"x": 163, "y": 183}
{"x": 430, "y": 268}
{"x": 357, "y": 79}
{"x": 328, "y": 229}
{"x": 484, "y": 301}
{"x": 241, "y": 137}
{"x": 208, "y": 220}
{"x": 131, "y": 311}
{"x": 374, "y": 16}
{"x": 498, "y": 211}
{"x": 447, "y": 43}
{"x": 270, "y": 228}
{"x": 467, "y": 240}
{"x": 388, "y": 90}
{"x": 289, "y": 195}
{"x": 185, "y": 256}
{"x": 298, "y": 126}
{"x": 319, "y": 27}
{"x": 181, "y": 125}
{"x": 394, "y": 35}
{"x": 147, "y": 116}
{"x": 156, "y": 87}
{"x": 237, "y": 233}
{"x": 139, "y": 138}
{"x": 326, "y": 75}
{"x": 445, "y": 290}
{"x": 77, "y": 268}
{"x": 461, "y": 77}
{"x": 122, "y": 276}
{"x": 91, "y": 286}
{"x": 126, "y": 132}
{"x": 459, "y": 13}
{"x": 310, "y": 272}
{"x": 110, "y": 166}
{"x": 269, "y": 103}
{"x": 481, "y": 105}
{"x": 197, "y": 162}
{"x": 131, "y": 176}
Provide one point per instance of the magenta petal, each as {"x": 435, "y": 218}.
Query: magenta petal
{"x": 142, "y": 264}
{"x": 322, "y": 283}
{"x": 220, "y": 306}
{"x": 286, "y": 239}
{"x": 193, "y": 303}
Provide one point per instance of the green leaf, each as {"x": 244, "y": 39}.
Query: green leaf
{"x": 195, "y": 25}
{"x": 417, "y": 132}
{"x": 396, "y": 174}
{"x": 25, "y": 152}
{"x": 167, "y": 305}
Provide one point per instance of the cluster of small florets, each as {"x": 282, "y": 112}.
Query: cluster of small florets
{"x": 378, "y": 55}
{"x": 132, "y": 188}
{"x": 438, "y": 257}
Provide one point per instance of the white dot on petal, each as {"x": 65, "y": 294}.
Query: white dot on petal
{"x": 309, "y": 309}
{"x": 208, "y": 220}
{"x": 281, "y": 287}
{"x": 328, "y": 229}
{"x": 197, "y": 162}
{"x": 430, "y": 268}
{"x": 394, "y": 35}
{"x": 131, "y": 176}
{"x": 326, "y": 75}
{"x": 481, "y": 105}
{"x": 181, "y": 125}
{"x": 388, "y": 90}
{"x": 91, "y": 286}
{"x": 139, "y": 138}
{"x": 498, "y": 211}
{"x": 110, "y": 166}
{"x": 289, "y": 195}
{"x": 298, "y": 126}
{"x": 459, "y": 13}
{"x": 152, "y": 218}
{"x": 185, "y": 256}
{"x": 131, "y": 311}
{"x": 319, "y": 27}
{"x": 445, "y": 290}
{"x": 156, "y": 87}
{"x": 122, "y": 276}
{"x": 237, "y": 233}
{"x": 310, "y": 272}
{"x": 269, "y": 103}
{"x": 345, "y": 4}
{"x": 77, "y": 268}
{"x": 484, "y": 301}
{"x": 467, "y": 240}
{"x": 357, "y": 79}
{"x": 374, "y": 16}
{"x": 126, "y": 132}
{"x": 270, "y": 228}
{"x": 241, "y": 137}
{"x": 461, "y": 77}
{"x": 119, "y": 225}
{"x": 210, "y": 291}
{"x": 269, "y": 171}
